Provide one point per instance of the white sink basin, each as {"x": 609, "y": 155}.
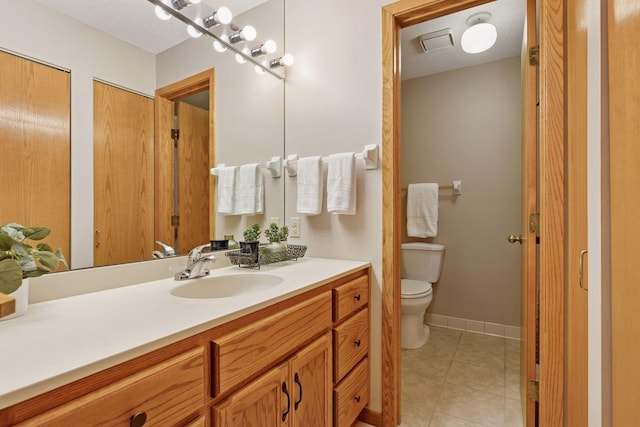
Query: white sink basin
{"x": 227, "y": 285}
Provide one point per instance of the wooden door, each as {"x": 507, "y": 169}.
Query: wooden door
{"x": 624, "y": 146}
{"x": 123, "y": 175}
{"x": 193, "y": 177}
{"x": 263, "y": 402}
{"x": 529, "y": 207}
{"x": 35, "y": 118}
{"x": 577, "y": 379}
{"x": 310, "y": 378}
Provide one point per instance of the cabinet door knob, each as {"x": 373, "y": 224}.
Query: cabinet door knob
{"x": 357, "y": 297}
{"x": 357, "y": 343}
{"x": 138, "y": 419}
{"x": 357, "y": 399}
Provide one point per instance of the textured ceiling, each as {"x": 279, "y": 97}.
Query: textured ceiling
{"x": 508, "y": 17}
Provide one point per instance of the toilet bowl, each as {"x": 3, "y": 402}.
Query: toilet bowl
{"x": 421, "y": 266}
{"x": 416, "y": 297}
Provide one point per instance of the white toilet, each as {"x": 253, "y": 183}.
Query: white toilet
{"x": 421, "y": 267}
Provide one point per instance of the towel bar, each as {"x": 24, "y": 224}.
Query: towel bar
{"x": 369, "y": 155}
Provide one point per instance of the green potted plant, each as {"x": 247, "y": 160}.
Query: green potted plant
{"x": 251, "y": 245}
{"x": 276, "y": 236}
{"x": 20, "y": 261}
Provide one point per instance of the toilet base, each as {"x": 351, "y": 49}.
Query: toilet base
{"x": 415, "y": 337}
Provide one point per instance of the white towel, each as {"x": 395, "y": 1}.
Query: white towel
{"x": 309, "y": 185}
{"x": 341, "y": 184}
{"x": 249, "y": 194}
{"x": 226, "y": 189}
{"x": 422, "y": 210}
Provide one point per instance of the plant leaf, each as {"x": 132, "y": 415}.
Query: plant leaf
{"x": 48, "y": 259}
{"x": 37, "y": 272}
{"x": 5, "y": 241}
{"x": 44, "y": 247}
{"x": 36, "y": 233}
{"x": 10, "y": 276}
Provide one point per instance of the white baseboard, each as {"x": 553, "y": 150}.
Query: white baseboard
{"x": 479, "y": 327}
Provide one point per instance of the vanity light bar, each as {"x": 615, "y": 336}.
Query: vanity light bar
{"x": 221, "y": 40}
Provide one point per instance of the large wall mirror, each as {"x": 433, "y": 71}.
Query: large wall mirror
{"x": 139, "y": 56}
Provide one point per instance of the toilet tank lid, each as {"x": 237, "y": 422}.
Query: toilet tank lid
{"x": 422, "y": 246}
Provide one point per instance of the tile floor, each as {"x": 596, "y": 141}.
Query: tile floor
{"x": 461, "y": 379}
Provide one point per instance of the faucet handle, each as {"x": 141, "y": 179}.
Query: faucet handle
{"x": 166, "y": 249}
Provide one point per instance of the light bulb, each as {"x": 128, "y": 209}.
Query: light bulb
{"x": 478, "y": 38}
{"x": 267, "y": 47}
{"x": 161, "y": 13}
{"x": 240, "y": 59}
{"x": 259, "y": 70}
{"x": 193, "y": 32}
{"x": 224, "y": 15}
{"x": 287, "y": 60}
{"x": 194, "y": 1}
{"x": 249, "y": 33}
{"x": 270, "y": 46}
{"x": 221, "y": 16}
{"x": 219, "y": 47}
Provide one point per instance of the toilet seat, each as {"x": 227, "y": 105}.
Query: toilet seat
{"x": 415, "y": 288}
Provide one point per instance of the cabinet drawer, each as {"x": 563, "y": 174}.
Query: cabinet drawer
{"x": 349, "y": 297}
{"x": 351, "y": 395}
{"x": 350, "y": 343}
{"x": 243, "y": 353}
{"x": 168, "y": 393}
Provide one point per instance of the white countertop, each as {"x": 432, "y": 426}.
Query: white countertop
{"x": 66, "y": 339}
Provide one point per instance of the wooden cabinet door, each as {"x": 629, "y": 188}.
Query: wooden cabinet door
{"x": 123, "y": 175}
{"x": 35, "y": 138}
{"x": 263, "y": 402}
{"x": 310, "y": 379}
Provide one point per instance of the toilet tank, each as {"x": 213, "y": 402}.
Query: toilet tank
{"x": 422, "y": 261}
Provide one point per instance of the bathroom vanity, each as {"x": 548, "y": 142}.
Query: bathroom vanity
{"x": 294, "y": 353}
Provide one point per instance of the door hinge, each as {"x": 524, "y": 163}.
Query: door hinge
{"x": 534, "y": 223}
{"x": 175, "y": 220}
{"x": 533, "y": 390}
{"x": 175, "y": 133}
{"x": 534, "y": 55}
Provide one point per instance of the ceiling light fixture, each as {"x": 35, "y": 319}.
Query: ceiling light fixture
{"x": 181, "y": 4}
{"x": 193, "y": 32}
{"x": 161, "y": 13}
{"x": 480, "y": 36}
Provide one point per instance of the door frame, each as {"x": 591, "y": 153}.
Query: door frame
{"x": 164, "y": 164}
{"x": 552, "y": 199}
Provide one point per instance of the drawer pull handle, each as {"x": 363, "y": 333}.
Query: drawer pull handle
{"x": 357, "y": 399}
{"x": 284, "y": 390}
{"x": 357, "y": 343}
{"x": 357, "y": 297}
{"x": 138, "y": 419}
{"x": 297, "y": 380}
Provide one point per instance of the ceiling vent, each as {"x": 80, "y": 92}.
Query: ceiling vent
{"x": 437, "y": 40}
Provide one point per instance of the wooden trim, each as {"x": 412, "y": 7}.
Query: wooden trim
{"x": 370, "y": 417}
{"x": 164, "y": 188}
{"x": 552, "y": 213}
{"x": 552, "y": 197}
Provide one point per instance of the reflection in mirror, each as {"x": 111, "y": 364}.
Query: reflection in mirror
{"x": 247, "y": 109}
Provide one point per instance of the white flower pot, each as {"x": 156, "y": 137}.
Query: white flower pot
{"x": 21, "y": 296}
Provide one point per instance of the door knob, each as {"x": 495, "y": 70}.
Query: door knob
{"x": 513, "y": 238}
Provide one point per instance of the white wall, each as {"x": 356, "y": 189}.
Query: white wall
{"x": 466, "y": 125}
{"x": 334, "y": 104}
{"x": 31, "y": 30}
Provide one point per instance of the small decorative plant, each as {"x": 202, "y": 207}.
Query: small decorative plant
{"x": 252, "y": 234}
{"x": 19, "y": 260}
{"x": 276, "y": 234}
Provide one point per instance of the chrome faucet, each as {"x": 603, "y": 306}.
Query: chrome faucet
{"x": 166, "y": 250}
{"x": 195, "y": 264}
